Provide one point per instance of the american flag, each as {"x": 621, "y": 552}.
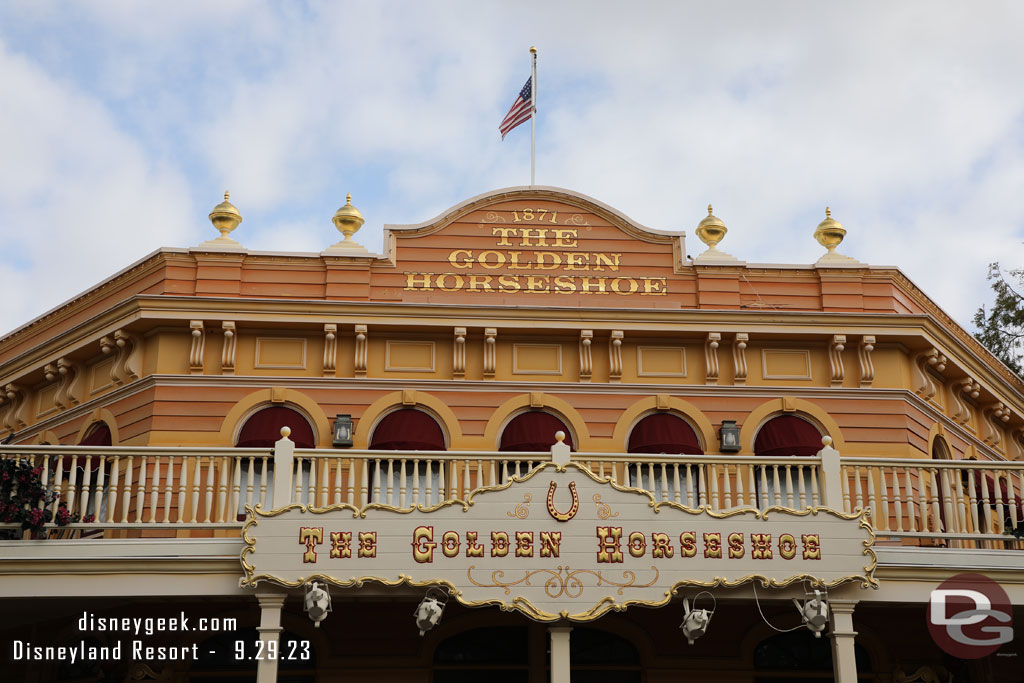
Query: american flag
{"x": 520, "y": 111}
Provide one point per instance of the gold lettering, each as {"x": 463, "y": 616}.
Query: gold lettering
{"x": 422, "y": 544}
{"x": 508, "y": 283}
{"x": 463, "y": 262}
{"x": 577, "y": 261}
{"x": 637, "y": 544}
{"x": 473, "y": 549}
{"x": 505, "y": 233}
{"x": 367, "y": 544}
{"x": 499, "y": 259}
{"x": 632, "y": 285}
{"x": 544, "y": 256}
{"x": 480, "y": 282}
{"x": 608, "y": 549}
{"x": 549, "y": 543}
{"x": 341, "y": 544}
{"x": 812, "y": 546}
{"x": 787, "y": 546}
{"x": 538, "y": 234}
{"x": 311, "y": 537}
{"x": 513, "y": 261}
{"x": 610, "y": 260}
{"x": 442, "y": 278}
{"x": 450, "y": 543}
{"x": 735, "y": 545}
{"x": 661, "y": 546}
{"x": 524, "y": 539}
{"x": 565, "y": 284}
{"x": 688, "y": 544}
{"x": 564, "y": 237}
{"x": 424, "y": 284}
{"x": 537, "y": 284}
{"x": 762, "y": 546}
{"x": 654, "y": 286}
{"x": 592, "y": 285}
{"x": 499, "y": 544}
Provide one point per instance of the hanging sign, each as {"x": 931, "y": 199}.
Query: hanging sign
{"x": 557, "y": 543}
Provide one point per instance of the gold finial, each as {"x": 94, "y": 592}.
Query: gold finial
{"x": 348, "y": 220}
{"x": 533, "y": 50}
{"x": 711, "y": 230}
{"x": 829, "y": 232}
{"x": 225, "y": 217}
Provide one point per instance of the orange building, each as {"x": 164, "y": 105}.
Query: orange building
{"x": 152, "y": 408}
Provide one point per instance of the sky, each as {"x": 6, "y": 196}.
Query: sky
{"x": 122, "y": 123}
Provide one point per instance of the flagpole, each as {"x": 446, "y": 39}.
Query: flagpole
{"x": 533, "y": 119}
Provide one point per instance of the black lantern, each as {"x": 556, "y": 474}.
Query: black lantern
{"x": 343, "y": 430}
{"x": 730, "y": 436}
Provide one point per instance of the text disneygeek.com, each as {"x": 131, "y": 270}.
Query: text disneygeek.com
{"x": 109, "y": 647}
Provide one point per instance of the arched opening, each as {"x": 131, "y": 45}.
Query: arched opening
{"x": 787, "y": 485}
{"x": 262, "y": 430}
{"x": 412, "y": 480}
{"x": 665, "y": 435}
{"x": 533, "y": 431}
{"x": 602, "y": 657}
{"x": 81, "y": 477}
{"x": 779, "y": 657}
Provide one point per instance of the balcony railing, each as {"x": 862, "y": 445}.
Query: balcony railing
{"x": 911, "y": 501}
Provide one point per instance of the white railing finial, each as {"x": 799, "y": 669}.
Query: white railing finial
{"x": 831, "y": 485}
{"x": 284, "y": 463}
{"x": 560, "y": 450}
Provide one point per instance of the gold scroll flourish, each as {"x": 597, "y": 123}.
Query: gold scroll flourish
{"x": 604, "y": 511}
{"x": 576, "y": 219}
{"x": 522, "y": 509}
{"x": 563, "y": 580}
{"x": 493, "y": 217}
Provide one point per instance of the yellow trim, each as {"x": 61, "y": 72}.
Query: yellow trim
{"x": 759, "y": 415}
{"x": 639, "y": 410}
{"x": 389, "y": 402}
{"x": 232, "y": 421}
{"x": 562, "y": 409}
{"x": 106, "y": 417}
{"x": 48, "y": 438}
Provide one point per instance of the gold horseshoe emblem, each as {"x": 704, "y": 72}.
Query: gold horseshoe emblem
{"x": 563, "y": 516}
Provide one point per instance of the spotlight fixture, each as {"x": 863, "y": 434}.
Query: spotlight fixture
{"x": 428, "y": 614}
{"x": 729, "y": 435}
{"x": 695, "y": 623}
{"x": 317, "y": 603}
{"x": 814, "y": 612}
{"x": 342, "y": 431}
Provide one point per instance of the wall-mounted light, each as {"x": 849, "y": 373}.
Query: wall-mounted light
{"x": 729, "y": 435}
{"x": 428, "y": 613}
{"x": 317, "y": 603}
{"x": 343, "y": 430}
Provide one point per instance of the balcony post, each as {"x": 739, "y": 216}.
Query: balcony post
{"x": 560, "y": 449}
{"x": 844, "y": 656}
{"x": 269, "y": 629}
{"x": 561, "y": 666}
{"x": 284, "y": 464}
{"x": 831, "y": 475}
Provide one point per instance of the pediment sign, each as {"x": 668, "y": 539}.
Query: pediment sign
{"x": 558, "y": 246}
{"x": 557, "y": 543}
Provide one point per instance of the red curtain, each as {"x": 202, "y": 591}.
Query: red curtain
{"x": 99, "y": 436}
{"x": 263, "y": 429}
{"x": 787, "y": 435}
{"x": 533, "y": 431}
{"x": 408, "y": 430}
{"x": 664, "y": 433}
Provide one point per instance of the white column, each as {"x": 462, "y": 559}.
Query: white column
{"x": 270, "y": 632}
{"x": 560, "y": 660}
{"x": 844, "y": 658}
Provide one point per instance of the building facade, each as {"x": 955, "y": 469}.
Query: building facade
{"x": 152, "y": 405}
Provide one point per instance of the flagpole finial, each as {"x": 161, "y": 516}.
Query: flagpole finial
{"x": 533, "y": 49}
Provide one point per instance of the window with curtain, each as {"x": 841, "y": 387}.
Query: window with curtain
{"x": 786, "y": 485}
{"x": 263, "y": 430}
{"x": 409, "y": 479}
{"x": 533, "y": 431}
{"x": 665, "y": 434}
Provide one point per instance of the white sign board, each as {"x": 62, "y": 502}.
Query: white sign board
{"x": 558, "y": 543}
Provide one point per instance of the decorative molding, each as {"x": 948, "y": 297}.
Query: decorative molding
{"x": 961, "y": 393}
{"x": 391, "y": 366}
{"x": 586, "y": 358}
{"x": 835, "y": 357}
{"x": 262, "y": 362}
{"x": 227, "y": 358}
{"x": 615, "y": 356}
{"x": 330, "y": 350}
{"x": 766, "y": 372}
{"x": 993, "y": 417}
{"x": 122, "y": 347}
{"x": 518, "y": 369}
{"x": 923, "y": 384}
{"x": 739, "y": 357}
{"x": 490, "y": 351}
{"x": 70, "y": 374}
{"x": 867, "y": 368}
{"x": 711, "y": 357}
{"x": 14, "y": 418}
{"x": 643, "y": 370}
{"x": 361, "y": 350}
{"x": 195, "y": 356}
{"x": 459, "y": 353}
